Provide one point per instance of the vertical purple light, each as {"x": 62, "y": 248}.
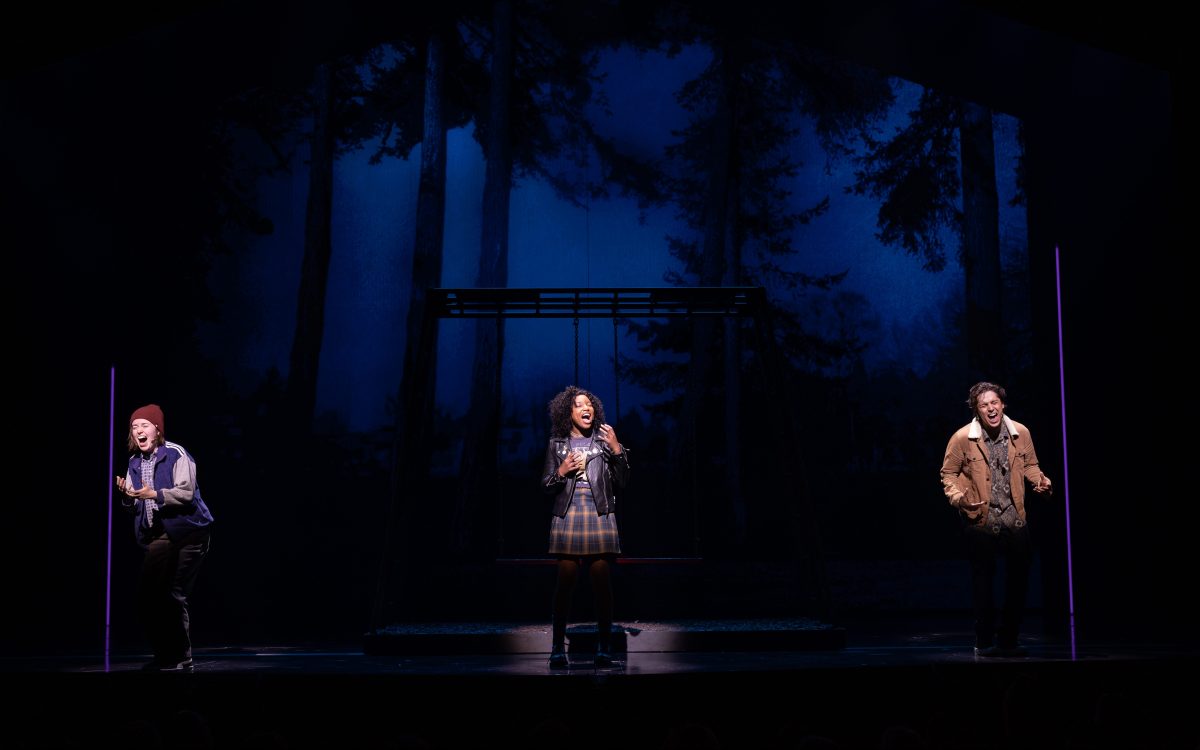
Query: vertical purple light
{"x": 112, "y": 402}
{"x": 1062, "y": 397}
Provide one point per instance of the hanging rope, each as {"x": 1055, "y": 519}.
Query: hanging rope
{"x": 616, "y": 371}
{"x": 500, "y": 412}
{"x": 587, "y": 251}
{"x": 576, "y": 381}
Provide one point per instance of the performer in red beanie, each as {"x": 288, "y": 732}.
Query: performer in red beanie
{"x": 172, "y": 523}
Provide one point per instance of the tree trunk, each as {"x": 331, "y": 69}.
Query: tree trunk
{"x": 414, "y": 407}
{"x": 981, "y": 245}
{"x": 314, "y": 271}
{"x": 712, "y": 269}
{"x": 732, "y": 360}
{"x": 479, "y": 472}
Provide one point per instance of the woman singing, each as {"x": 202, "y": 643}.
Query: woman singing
{"x": 585, "y": 464}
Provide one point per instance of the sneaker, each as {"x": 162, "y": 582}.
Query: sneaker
{"x": 558, "y": 659}
{"x": 603, "y": 658}
{"x": 183, "y": 666}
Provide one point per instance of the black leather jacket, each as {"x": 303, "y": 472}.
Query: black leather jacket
{"x": 606, "y": 472}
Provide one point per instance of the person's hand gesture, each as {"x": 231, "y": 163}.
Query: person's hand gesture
{"x": 967, "y": 505}
{"x": 144, "y": 493}
{"x": 609, "y": 436}
{"x": 572, "y": 463}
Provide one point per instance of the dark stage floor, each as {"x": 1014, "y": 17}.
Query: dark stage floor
{"x": 904, "y": 681}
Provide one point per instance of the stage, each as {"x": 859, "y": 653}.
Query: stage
{"x": 911, "y": 678}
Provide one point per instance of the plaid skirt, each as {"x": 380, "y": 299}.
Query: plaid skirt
{"x": 581, "y": 531}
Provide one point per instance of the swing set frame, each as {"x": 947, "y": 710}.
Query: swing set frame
{"x": 612, "y": 302}
{"x": 749, "y": 303}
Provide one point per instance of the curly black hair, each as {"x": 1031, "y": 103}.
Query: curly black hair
{"x": 559, "y": 410}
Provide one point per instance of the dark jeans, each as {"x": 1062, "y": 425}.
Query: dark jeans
{"x": 168, "y": 574}
{"x": 984, "y": 546}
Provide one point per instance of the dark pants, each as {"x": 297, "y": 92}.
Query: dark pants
{"x": 984, "y": 546}
{"x": 168, "y": 574}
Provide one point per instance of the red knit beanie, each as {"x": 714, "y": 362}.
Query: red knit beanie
{"x": 152, "y": 413}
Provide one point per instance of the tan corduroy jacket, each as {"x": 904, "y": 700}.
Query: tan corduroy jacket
{"x": 967, "y": 472}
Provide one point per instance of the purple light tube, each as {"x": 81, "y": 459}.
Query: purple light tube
{"x": 1062, "y": 397}
{"x": 112, "y": 401}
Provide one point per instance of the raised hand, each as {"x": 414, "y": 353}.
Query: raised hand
{"x": 609, "y": 436}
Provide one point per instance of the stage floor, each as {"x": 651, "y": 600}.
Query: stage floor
{"x": 297, "y": 660}
{"x": 869, "y": 644}
{"x": 903, "y": 677}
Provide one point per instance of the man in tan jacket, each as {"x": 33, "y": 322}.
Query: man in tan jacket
{"x": 984, "y": 472}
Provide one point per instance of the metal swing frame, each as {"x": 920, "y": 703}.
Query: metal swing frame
{"x": 614, "y": 303}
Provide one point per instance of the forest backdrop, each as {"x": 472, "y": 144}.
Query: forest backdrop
{"x": 240, "y": 210}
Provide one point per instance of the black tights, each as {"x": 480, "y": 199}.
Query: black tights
{"x": 564, "y": 590}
